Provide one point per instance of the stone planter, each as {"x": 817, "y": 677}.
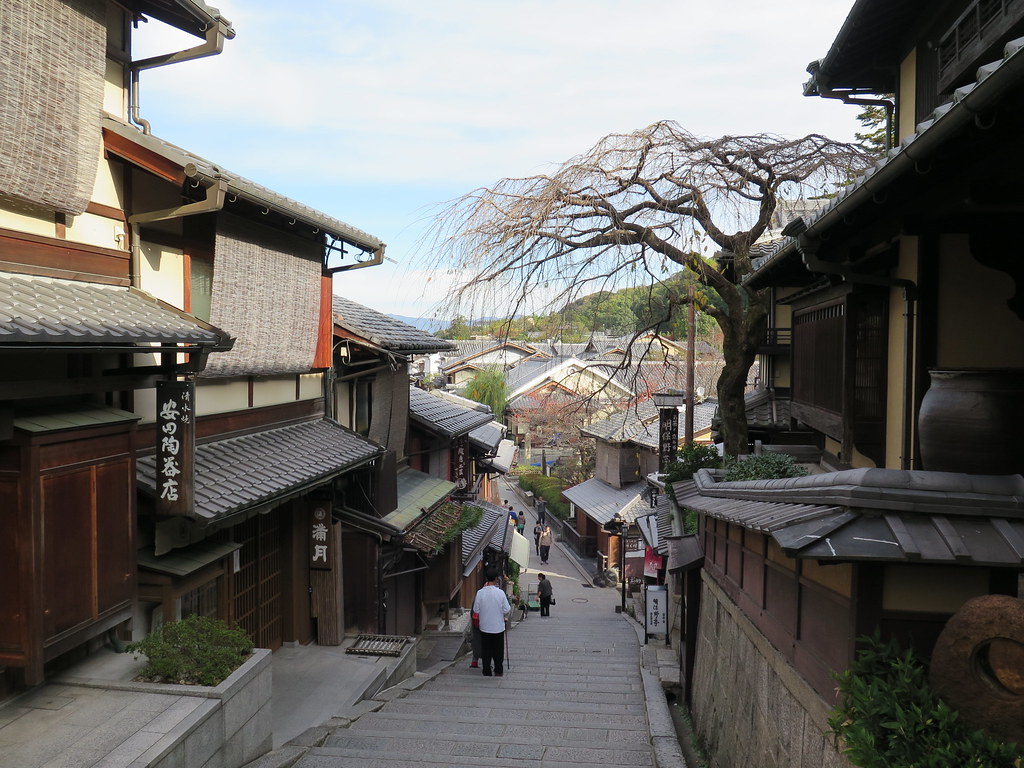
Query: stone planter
{"x": 970, "y": 421}
{"x": 223, "y": 726}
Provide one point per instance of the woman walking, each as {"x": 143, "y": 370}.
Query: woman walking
{"x": 545, "y": 543}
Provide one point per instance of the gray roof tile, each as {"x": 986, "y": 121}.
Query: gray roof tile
{"x": 38, "y": 310}
{"x": 875, "y": 514}
{"x": 442, "y": 416}
{"x": 240, "y": 472}
{"x": 386, "y": 332}
{"x": 600, "y": 501}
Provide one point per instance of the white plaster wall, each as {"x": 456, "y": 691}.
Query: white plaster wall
{"x": 25, "y": 219}
{"x": 311, "y": 386}
{"x": 221, "y": 395}
{"x": 274, "y": 390}
{"x": 162, "y": 273}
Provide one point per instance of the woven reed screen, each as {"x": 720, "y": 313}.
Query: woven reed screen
{"x": 52, "y": 57}
{"x": 266, "y": 293}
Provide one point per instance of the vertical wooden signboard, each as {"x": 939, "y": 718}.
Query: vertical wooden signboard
{"x": 175, "y": 447}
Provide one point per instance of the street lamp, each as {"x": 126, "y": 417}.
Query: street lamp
{"x": 617, "y": 527}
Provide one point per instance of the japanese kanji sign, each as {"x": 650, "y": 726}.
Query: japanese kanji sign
{"x": 668, "y": 441}
{"x": 657, "y": 604}
{"x": 175, "y": 446}
{"x": 460, "y": 466}
{"x": 320, "y": 549}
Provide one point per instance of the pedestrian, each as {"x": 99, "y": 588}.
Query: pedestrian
{"x": 521, "y": 523}
{"x": 544, "y": 593}
{"x": 538, "y": 529}
{"x": 491, "y": 603}
{"x": 511, "y": 512}
{"x": 474, "y": 639}
{"x": 545, "y": 543}
{"x": 542, "y": 510}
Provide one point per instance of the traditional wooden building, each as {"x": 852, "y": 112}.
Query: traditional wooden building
{"x": 903, "y": 307}
{"x": 130, "y": 264}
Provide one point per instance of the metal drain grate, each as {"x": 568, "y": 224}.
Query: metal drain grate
{"x": 379, "y": 645}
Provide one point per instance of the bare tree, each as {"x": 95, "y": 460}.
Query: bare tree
{"x": 628, "y": 210}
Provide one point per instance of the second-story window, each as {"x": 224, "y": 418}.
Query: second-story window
{"x": 362, "y": 405}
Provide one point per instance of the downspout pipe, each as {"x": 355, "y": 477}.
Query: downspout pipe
{"x": 815, "y": 87}
{"x": 807, "y": 246}
{"x": 216, "y": 34}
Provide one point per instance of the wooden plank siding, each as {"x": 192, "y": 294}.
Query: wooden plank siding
{"x": 808, "y": 619}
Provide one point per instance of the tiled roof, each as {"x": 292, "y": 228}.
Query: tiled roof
{"x": 199, "y": 168}
{"x": 477, "y": 538}
{"x": 40, "y": 311}
{"x": 418, "y": 493}
{"x": 442, "y": 416}
{"x": 883, "y": 515}
{"x": 623, "y": 426}
{"x": 488, "y": 437}
{"x": 600, "y": 501}
{"x": 993, "y": 81}
{"x": 386, "y": 332}
{"x": 236, "y": 473}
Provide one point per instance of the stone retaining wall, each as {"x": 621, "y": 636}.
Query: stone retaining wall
{"x": 750, "y": 707}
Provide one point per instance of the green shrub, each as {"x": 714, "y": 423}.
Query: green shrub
{"x": 889, "y": 716}
{"x": 767, "y": 466}
{"x": 194, "y": 651}
{"x": 690, "y": 521}
{"x": 691, "y": 457}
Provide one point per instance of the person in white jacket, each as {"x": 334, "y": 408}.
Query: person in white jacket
{"x": 492, "y": 605}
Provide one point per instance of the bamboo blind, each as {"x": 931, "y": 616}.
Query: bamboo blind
{"x": 52, "y": 56}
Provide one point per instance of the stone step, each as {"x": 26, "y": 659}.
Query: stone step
{"x": 376, "y": 754}
{"x": 609, "y": 718}
{"x": 510, "y": 732}
{"x": 528, "y": 696}
{"x": 503, "y": 699}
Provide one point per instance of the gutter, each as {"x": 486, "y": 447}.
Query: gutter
{"x": 216, "y": 34}
{"x": 969, "y": 104}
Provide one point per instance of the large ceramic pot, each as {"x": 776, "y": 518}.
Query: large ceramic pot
{"x": 971, "y": 420}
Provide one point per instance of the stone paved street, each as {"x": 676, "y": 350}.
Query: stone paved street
{"x": 572, "y": 695}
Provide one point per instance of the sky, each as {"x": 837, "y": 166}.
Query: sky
{"x": 378, "y": 113}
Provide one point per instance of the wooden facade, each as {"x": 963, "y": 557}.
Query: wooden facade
{"x": 67, "y": 557}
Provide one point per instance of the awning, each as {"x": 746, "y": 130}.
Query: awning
{"x": 50, "y": 313}
{"x": 418, "y": 493}
{"x": 600, "y": 501}
{"x": 443, "y": 417}
{"x": 488, "y": 437}
{"x": 503, "y": 460}
{"x": 684, "y": 553}
{"x": 182, "y": 562}
{"x": 476, "y": 539}
{"x": 51, "y": 419}
{"x": 263, "y": 469}
{"x": 879, "y": 515}
{"x": 429, "y": 533}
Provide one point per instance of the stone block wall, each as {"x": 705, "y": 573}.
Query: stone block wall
{"x": 750, "y": 707}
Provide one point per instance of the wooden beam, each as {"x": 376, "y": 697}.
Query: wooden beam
{"x": 144, "y": 158}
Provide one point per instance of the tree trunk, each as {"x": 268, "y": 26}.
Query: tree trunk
{"x": 744, "y": 332}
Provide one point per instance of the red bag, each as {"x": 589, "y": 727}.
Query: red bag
{"x": 476, "y": 619}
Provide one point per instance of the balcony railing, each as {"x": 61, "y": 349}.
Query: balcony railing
{"x": 981, "y": 25}
{"x": 584, "y": 546}
{"x": 777, "y": 338}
